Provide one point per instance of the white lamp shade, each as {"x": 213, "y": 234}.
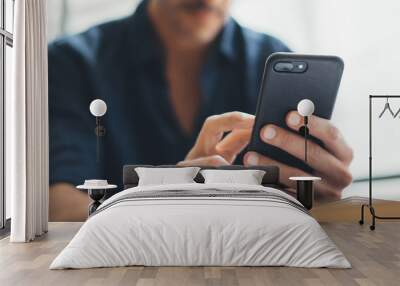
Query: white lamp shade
{"x": 306, "y": 107}
{"x": 98, "y": 107}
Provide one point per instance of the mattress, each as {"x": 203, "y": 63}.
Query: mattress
{"x": 201, "y": 225}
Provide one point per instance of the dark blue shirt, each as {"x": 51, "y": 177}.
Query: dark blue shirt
{"x": 123, "y": 63}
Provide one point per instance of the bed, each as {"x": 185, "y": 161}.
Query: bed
{"x": 198, "y": 224}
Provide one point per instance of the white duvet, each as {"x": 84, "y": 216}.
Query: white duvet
{"x": 188, "y": 231}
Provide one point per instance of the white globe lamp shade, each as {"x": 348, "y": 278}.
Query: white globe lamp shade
{"x": 98, "y": 108}
{"x": 306, "y": 107}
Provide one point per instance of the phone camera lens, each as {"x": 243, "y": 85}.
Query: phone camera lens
{"x": 290, "y": 67}
{"x": 284, "y": 67}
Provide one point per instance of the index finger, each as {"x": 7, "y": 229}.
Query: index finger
{"x": 234, "y": 143}
{"x": 227, "y": 122}
{"x": 214, "y": 128}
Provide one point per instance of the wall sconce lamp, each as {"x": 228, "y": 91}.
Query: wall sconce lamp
{"x": 98, "y": 108}
{"x": 305, "y": 108}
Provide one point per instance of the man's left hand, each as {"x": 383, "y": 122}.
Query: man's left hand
{"x": 330, "y": 163}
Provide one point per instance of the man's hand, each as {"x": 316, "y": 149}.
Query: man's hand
{"x": 330, "y": 163}
{"x": 211, "y": 148}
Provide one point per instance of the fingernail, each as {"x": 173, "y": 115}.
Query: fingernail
{"x": 294, "y": 119}
{"x": 246, "y": 115}
{"x": 252, "y": 159}
{"x": 269, "y": 133}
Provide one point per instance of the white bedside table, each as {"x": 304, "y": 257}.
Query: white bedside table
{"x": 305, "y": 190}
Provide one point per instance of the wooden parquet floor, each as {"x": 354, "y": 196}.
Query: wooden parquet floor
{"x": 375, "y": 257}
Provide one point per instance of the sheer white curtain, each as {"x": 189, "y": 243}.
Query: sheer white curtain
{"x": 27, "y": 124}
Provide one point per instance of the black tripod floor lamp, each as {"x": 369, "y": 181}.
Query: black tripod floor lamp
{"x": 387, "y": 109}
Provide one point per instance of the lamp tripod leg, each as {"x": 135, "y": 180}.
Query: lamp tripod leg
{"x": 372, "y": 210}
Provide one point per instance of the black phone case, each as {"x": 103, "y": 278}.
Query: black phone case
{"x": 280, "y": 93}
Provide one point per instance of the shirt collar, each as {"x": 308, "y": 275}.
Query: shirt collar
{"x": 143, "y": 41}
{"x": 226, "y": 42}
{"x": 146, "y": 46}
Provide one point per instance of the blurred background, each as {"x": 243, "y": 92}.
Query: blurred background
{"x": 365, "y": 33}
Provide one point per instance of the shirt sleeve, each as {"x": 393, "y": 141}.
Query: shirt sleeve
{"x": 71, "y": 126}
{"x": 281, "y": 46}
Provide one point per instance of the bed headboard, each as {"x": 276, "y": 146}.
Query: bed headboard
{"x": 271, "y": 177}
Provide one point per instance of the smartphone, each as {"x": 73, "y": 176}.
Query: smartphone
{"x": 288, "y": 78}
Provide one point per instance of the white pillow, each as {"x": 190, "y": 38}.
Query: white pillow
{"x": 248, "y": 177}
{"x": 162, "y": 176}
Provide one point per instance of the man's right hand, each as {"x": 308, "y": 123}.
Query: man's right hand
{"x": 212, "y": 148}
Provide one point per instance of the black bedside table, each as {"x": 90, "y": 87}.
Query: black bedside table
{"x": 305, "y": 190}
{"x": 96, "y": 189}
